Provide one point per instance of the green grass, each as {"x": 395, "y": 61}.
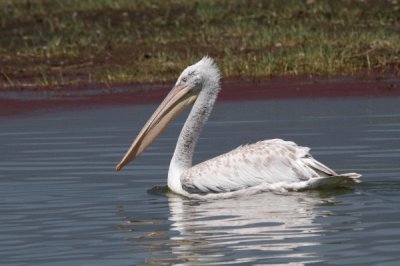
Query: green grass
{"x": 70, "y": 42}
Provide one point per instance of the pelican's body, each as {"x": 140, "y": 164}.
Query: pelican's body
{"x": 266, "y": 165}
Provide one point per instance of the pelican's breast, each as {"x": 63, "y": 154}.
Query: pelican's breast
{"x": 269, "y": 161}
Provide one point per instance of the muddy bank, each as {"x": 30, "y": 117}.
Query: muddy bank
{"x": 20, "y": 102}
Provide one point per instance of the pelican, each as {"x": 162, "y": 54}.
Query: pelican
{"x": 263, "y": 166}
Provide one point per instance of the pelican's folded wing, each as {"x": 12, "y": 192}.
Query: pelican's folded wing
{"x": 265, "y": 162}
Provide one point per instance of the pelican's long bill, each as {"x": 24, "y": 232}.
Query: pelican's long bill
{"x": 176, "y": 101}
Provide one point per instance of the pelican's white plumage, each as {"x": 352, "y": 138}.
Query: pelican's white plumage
{"x": 266, "y": 165}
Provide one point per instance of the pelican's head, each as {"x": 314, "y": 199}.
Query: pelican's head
{"x": 196, "y": 75}
{"x": 195, "y": 78}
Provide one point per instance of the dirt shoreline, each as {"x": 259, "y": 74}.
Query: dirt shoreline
{"x": 14, "y": 102}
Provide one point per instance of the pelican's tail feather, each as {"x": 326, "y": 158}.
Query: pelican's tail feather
{"x": 354, "y": 177}
{"x": 342, "y": 180}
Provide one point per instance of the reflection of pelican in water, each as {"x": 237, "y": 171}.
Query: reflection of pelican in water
{"x": 262, "y": 227}
{"x": 265, "y": 165}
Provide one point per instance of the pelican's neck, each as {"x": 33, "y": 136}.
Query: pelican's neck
{"x": 183, "y": 155}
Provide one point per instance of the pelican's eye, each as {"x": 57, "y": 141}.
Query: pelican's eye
{"x": 184, "y": 79}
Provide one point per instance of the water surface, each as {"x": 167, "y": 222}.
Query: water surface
{"x": 63, "y": 204}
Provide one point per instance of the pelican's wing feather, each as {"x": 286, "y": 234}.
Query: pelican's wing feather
{"x": 264, "y": 162}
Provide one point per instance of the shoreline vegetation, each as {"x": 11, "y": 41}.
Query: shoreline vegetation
{"x": 60, "y": 44}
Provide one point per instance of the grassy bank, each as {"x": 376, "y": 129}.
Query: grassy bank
{"x": 70, "y": 42}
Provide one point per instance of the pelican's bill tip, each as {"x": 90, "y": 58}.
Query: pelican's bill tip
{"x": 118, "y": 168}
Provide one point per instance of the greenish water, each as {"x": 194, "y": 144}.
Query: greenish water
{"x": 63, "y": 204}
